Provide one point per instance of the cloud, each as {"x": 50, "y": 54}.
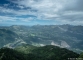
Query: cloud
{"x": 14, "y": 19}
{"x": 6, "y": 18}
{"x": 16, "y": 12}
{"x": 52, "y": 7}
{"x": 62, "y": 11}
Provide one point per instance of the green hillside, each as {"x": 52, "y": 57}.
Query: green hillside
{"x": 48, "y": 52}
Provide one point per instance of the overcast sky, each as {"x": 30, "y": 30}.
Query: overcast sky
{"x": 45, "y": 12}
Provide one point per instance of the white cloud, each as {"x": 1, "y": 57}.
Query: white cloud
{"x": 16, "y": 12}
{"x": 52, "y": 8}
{"x": 14, "y": 19}
{"x": 6, "y": 18}
{"x": 63, "y": 11}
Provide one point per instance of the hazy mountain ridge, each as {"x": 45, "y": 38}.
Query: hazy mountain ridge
{"x": 67, "y": 36}
{"x": 7, "y": 36}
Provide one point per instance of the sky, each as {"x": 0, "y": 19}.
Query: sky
{"x": 43, "y": 12}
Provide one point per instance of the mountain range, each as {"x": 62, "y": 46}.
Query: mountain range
{"x": 64, "y": 36}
